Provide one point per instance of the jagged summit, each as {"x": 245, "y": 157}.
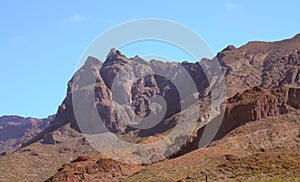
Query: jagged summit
{"x": 115, "y": 56}
{"x": 228, "y": 48}
{"x": 114, "y": 51}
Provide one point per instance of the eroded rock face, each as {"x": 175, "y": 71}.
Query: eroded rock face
{"x": 265, "y": 64}
{"x": 251, "y": 105}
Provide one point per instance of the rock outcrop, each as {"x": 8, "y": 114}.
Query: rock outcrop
{"x": 94, "y": 168}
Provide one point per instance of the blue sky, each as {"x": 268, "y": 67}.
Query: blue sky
{"x": 41, "y": 42}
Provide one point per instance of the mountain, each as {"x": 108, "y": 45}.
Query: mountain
{"x": 111, "y": 85}
{"x": 262, "y": 100}
{"x": 256, "y": 64}
{"x": 15, "y": 130}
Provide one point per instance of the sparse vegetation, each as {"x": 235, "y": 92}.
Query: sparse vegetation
{"x": 279, "y": 162}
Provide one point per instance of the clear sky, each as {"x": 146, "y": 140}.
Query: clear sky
{"x": 42, "y": 41}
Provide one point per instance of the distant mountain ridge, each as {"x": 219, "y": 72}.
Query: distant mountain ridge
{"x": 15, "y": 130}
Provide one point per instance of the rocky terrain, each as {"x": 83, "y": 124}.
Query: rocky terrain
{"x": 258, "y": 138}
{"x": 15, "y": 130}
{"x": 263, "y": 150}
{"x": 251, "y": 105}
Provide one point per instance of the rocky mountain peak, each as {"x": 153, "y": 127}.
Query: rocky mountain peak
{"x": 228, "y": 48}
{"x": 263, "y": 64}
{"x": 115, "y": 57}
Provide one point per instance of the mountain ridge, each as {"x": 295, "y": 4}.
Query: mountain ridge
{"x": 15, "y": 130}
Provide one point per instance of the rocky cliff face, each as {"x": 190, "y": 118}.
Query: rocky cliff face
{"x": 115, "y": 77}
{"x": 15, "y": 130}
{"x": 265, "y": 64}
